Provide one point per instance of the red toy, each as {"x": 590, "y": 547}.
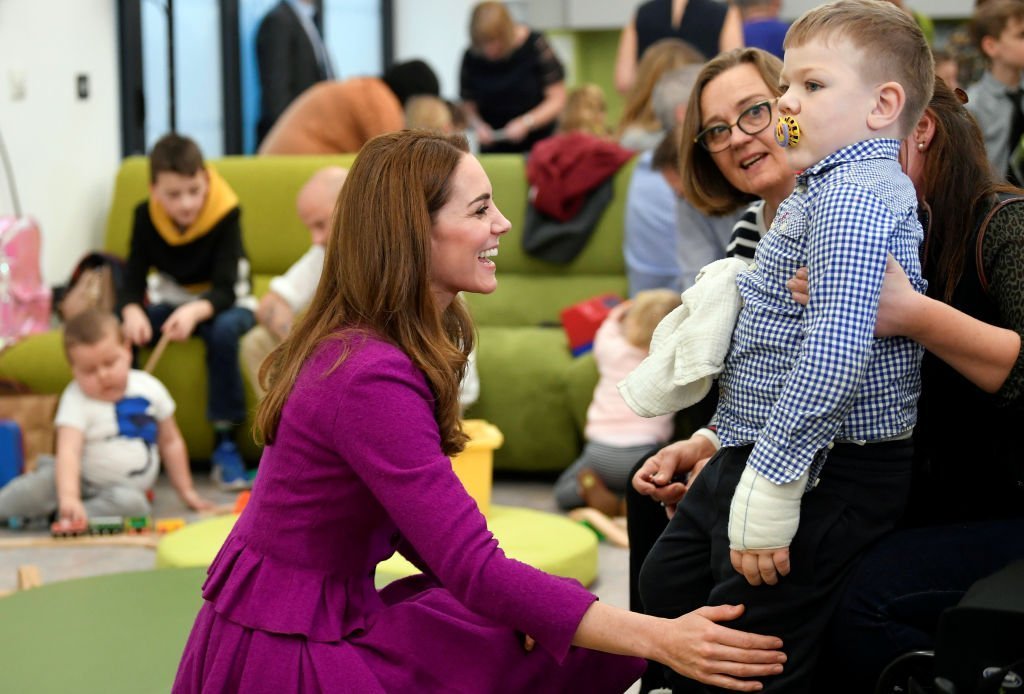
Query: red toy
{"x": 582, "y": 320}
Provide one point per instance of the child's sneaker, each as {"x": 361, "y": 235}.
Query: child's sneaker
{"x": 228, "y": 469}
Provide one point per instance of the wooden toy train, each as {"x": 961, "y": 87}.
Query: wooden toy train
{"x": 110, "y": 525}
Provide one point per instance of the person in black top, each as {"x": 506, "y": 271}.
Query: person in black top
{"x": 711, "y": 27}
{"x": 511, "y": 83}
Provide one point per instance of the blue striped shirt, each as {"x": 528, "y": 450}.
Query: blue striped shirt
{"x": 797, "y": 378}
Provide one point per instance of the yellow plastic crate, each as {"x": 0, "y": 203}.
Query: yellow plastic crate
{"x": 475, "y": 465}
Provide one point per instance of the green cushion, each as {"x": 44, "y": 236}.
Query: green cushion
{"x": 522, "y": 392}
{"x": 532, "y": 300}
{"x": 546, "y": 541}
{"x": 114, "y": 634}
{"x": 196, "y": 544}
{"x": 38, "y": 361}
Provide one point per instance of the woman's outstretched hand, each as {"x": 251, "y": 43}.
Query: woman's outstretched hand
{"x": 702, "y": 649}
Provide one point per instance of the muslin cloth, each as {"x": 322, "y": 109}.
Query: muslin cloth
{"x": 689, "y": 345}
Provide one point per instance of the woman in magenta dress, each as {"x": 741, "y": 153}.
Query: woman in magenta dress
{"x": 360, "y": 417}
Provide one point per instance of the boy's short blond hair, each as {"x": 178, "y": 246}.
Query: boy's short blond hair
{"x": 991, "y": 18}
{"x": 649, "y": 307}
{"x": 893, "y": 48}
{"x": 90, "y": 327}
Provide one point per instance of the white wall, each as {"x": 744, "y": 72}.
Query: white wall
{"x": 65, "y": 151}
{"x": 936, "y": 9}
{"x": 437, "y": 32}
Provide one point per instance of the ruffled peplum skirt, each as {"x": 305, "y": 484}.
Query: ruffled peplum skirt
{"x": 411, "y": 637}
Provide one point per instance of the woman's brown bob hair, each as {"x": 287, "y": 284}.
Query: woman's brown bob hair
{"x": 491, "y": 21}
{"x": 704, "y": 185}
{"x": 376, "y": 276}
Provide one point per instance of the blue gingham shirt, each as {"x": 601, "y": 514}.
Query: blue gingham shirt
{"x": 797, "y": 378}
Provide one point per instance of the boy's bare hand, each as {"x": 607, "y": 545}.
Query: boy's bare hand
{"x": 191, "y": 498}
{"x": 181, "y": 323}
{"x": 761, "y": 565}
{"x": 136, "y": 326}
{"x": 72, "y": 510}
{"x": 655, "y": 478}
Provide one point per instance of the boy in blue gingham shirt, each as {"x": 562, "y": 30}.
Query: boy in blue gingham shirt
{"x": 814, "y": 414}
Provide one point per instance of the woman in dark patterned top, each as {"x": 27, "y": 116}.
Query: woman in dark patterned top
{"x": 511, "y": 83}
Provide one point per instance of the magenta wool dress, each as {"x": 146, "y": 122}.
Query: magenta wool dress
{"x": 356, "y": 473}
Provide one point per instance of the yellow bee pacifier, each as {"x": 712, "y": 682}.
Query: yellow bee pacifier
{"x": 787, "y": 131}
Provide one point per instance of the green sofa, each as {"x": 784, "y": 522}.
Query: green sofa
{"x": 532, "y": 388}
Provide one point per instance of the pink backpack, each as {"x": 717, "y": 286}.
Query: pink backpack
{"x": 24, "y": 299}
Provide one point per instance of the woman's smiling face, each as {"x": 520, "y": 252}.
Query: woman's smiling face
{"x": 465, "y": 235}
{"x": 754, "y": 164}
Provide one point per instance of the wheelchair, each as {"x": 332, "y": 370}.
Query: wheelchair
{"x": 979, "y": 647}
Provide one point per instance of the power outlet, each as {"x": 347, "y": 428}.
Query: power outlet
{"x": 82, "y": 86}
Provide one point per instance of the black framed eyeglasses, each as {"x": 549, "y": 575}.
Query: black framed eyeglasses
{"x": 753, "y": 119}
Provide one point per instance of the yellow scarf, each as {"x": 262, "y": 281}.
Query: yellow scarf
{"x": 220, "y": 200}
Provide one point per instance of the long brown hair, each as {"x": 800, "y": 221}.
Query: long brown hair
{"x": 704, "y": 184}
{"x": 376, "y": 276}
{"x": 957, "y": 184}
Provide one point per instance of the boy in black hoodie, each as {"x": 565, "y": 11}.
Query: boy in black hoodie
{"x": 188, "y": 234}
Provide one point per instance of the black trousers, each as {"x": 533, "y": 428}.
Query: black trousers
{"x": 645, "y": 521}
{"x": 645, "y": 517}
{"x": 860, "y": 496}
{"x": 899, "y": 590}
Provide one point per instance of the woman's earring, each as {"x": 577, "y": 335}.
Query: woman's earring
{"x": 920, "y": 146}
